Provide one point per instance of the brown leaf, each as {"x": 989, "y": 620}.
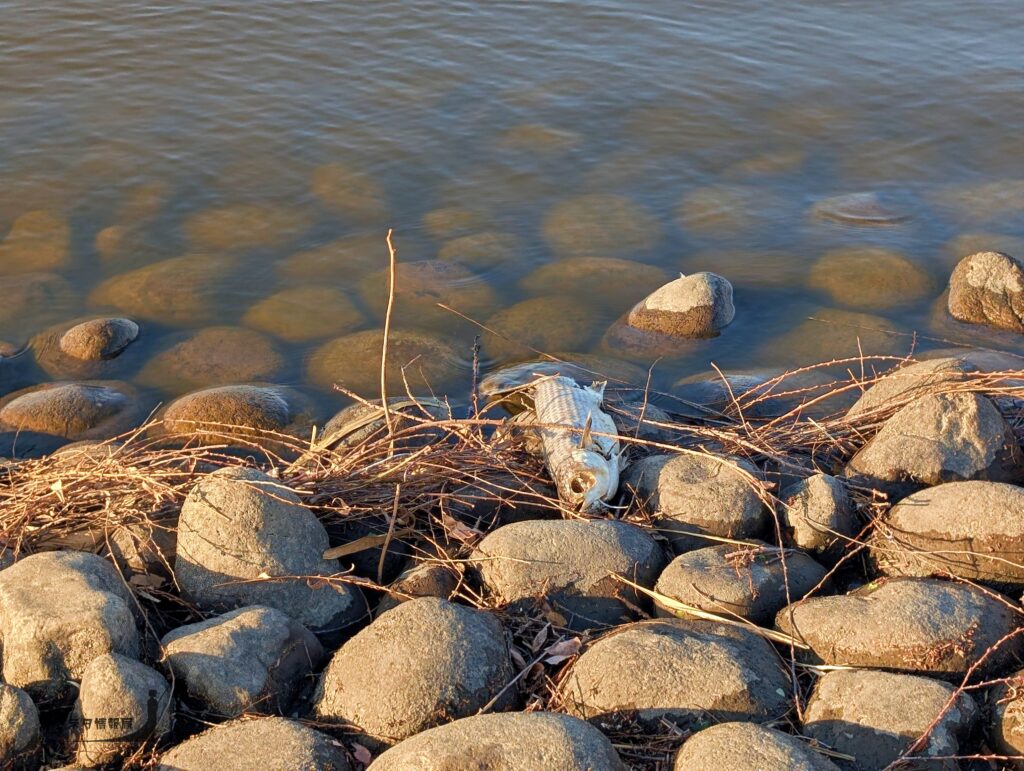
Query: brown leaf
{"x": 562, "y": 650}
{"x": 540, "y": 638}
{"x": 361, "y": 754}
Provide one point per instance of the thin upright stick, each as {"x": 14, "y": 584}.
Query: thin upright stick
{"x": 392, "y": 262}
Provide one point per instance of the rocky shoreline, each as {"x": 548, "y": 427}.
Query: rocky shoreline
{"x": 815, "y": 570}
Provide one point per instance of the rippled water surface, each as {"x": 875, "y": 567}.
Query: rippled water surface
{"x": 266, "y": 146}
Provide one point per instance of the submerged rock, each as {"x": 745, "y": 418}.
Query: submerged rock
{"x": 869, "y": 208}
{"x": 830, "y": 333}
{"x": 305, "y": 313}
{"x": 546, "y": 324}
{"x": 680, "y": 671}
{"x": 422, "y": 664}
{"x": 454, "y": 221}
{"x": 988, "y": 288}
{"x": 614, "y": 282}
{"x": 509, "y": 741}
{"x": 354, "y": 195}
{"x": 600, "y": 225}
{"x": 569, "y": 563}
{"x": 350, "y": 256}
{"x": 641, "y": 345}
{"x": 88, "y": 410}
{"x": 87, "y": 349}
{"x": 485, "y": 249}
{"x": 870, "y": 278}
{"x": 242, "y": 226}
{"x": 877, "y": 716}
{"x": 37, "y": 241}
{"x": 35, "y": 300}
{"x": 694, "y": 306}
{"x": 748, "y": 747}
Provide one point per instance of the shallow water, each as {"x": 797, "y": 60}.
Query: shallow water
{"x": 281, "y": 139}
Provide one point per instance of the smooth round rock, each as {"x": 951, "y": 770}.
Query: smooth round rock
{"x": 267, "y": 743}
{"x": 486, "y": 249}
{"x": 905, "y": 384}
{"x": 38, "y": 241}
{"x": 868, "y": 208}
{"x": 694, "y": 306}
{"x": 349, "y": 256}
{"x": 353, "y": 362}
{"x": 238, "y": 530}
{"x": 422, "y": 664}
{"x": 600, "y": 225}
{"x": 974, "y": 530}
{"x": 749, "y": 581}
{"x": 427, "y": 579}
{"x": 305, "y": 313}
{"x": 717, "y": 210}
{"x": 615, "y": 282}
{"x": 181, "y": 291}
{"x": 213, "y": 356}
{"x": 507, "y": 741}
{"x": 546, "y": 324}
{"x": 243, "y": 226}
{"x": 454, "y": 221}
{"x": 988, "y": 288}
{"x": 19, "y": 728}
{"x": 640, "y": 345}
{"x": 354, "y": 195}
{"x": 870, "y": 279}
{"x": 757, "y": 269}
{"x": 877, "y": 716}
{"x": 920, "y": 625}
{"x": 569, "y": 563}
{"x": 831, "y": 333}
{"x": 945, "y": 437}
{"x": 32, "y": 301}
{"x": 748, "y": 747}
{"x": 359, "y": 423}
{"x": 1006, "y": 729}
{"x": 819, "y": 516}
{"x": 690, "y": 495}
{"x": 538, "y": 139}
{"x": 86, "y": 349}
{"x": 87, "y": 410}
{"x": 680, "y": 671}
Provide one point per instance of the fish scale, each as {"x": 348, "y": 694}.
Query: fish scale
{"x": 584, "y": 463}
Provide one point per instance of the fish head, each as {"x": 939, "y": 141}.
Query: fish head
{"x": 594, "y": 480}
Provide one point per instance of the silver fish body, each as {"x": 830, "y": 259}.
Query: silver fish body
{"x": 580, "y": 442}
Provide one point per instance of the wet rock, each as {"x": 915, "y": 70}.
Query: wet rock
{"x": 600, "y": 225}
{"x": 969, "y": 529}
{"x": 538, "y": 139}
{"x": 58, "y": 611}
{"x": 510, "y": 741}
{"x": 614, "y": 282}
{"x": 238, "y": 525}
{"x": 714, "y": 210}
{"x": 37, "y": 241}
{"x": 988, "y": 288}
{"x": 917, "y": 625}
{"x": 877, "y": 716}
{"x": 213, "y": 356}
{"x": 481, "y": 250}
{"x": 454, "y": 221}
{"x": 680, "y": 671}
{"x": 938, "y": 438}
{"x": 909, "y": 383}
{"x": 781, "y": 160}
{"x": 86, "y": 349}
{"x": 421, "y": 285}
{"x": 428, "y": 579}
{"x": 88, "y": 410}
{"x": 942, "y": 325}
{"x": 252, "y": 659}
{"x": 817, "y": 513}
{"x": 33, "y": 301}
{"x": 549, "y": 323}
{"x": 829, "y": 333}
{"x": 126, "y": 704}
{"x": 19, "y": 729}
{"x": 690, "y": 495}
{"x": 238, "y": 227}
{"x": 749, "y": 268}
{"x": 268, "y": 743}
{"x": 628, "y": 342}
{"x": 860, "y": 209}
{"x": 354, "y": 195}
{"x": 870, "y": 278}
{"x": 28, "y": 444}
{"x": 424, "y": 663}
{"x": 353, "y": 362}
{"x": 974, "y": 242}
{"x": 1006, "y": 730}
{"x": 748, "y": 747}
{"x": 360, "y": 423}
{"x": 305, "y": 313}
{"x": 983, "y": 201}
{"x": 569, "y": 563}
{"x": 750, "y": 581}
{"x": 181, "y": 291}
{"x": 349, "y": 256}
{"x": 126, "y": 245}
{"x": 698, "y": 305}
{"x": 248, "y": 413}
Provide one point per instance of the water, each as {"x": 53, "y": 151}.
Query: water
{"x": 280, "y": 139}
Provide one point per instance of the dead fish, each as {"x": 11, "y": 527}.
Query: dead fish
{"x": 580, "y": 442}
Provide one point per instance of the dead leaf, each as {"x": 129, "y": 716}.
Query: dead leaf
{"x": 517, "y": 658}
{"x": 458, "y": 530}
{"x": 361, "y": 754}
{"x": 540, "y": 638}
{"x": 562, "y": 650}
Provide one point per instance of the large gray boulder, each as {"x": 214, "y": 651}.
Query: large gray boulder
{"x": 947, "y": 437}
{"x": 421, "y": 664}
{"x": 751, "y": 581}
{"x": 252, "y": 659}
{"x": 819, "y": 516}
{"x": 19, "y": 728}
{"x": 988, "y": 288}
{"x": 908, "y": 624}
{"x": 689, "y": 495}
{"x": 240, "y": 530}
{"x": 680, "y": 671}
{"x": 509, "y": 741}
{"x": 570, "y": 564}
{"x": 974, "y": 530}
{"x": 906, "y": 384}
{"x": 877, "y": 716}
{"x": 698, "y": 305}
{"x": 267, "y": 743}
{"x": 121, "y": 705}
{"x": 748, "y": 747}
{"x": 58, "y": 611}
